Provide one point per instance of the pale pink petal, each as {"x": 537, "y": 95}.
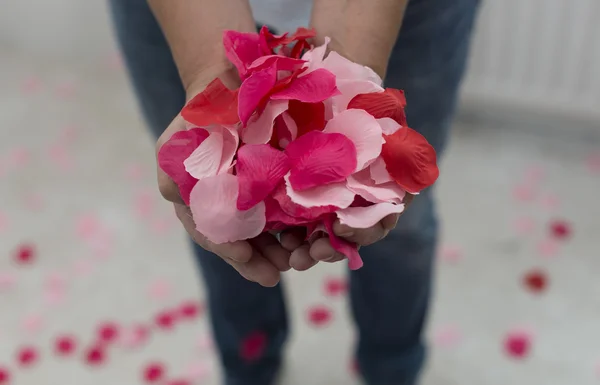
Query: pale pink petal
{"x": 335, "y": 194}
{"x": 318, "y": 158}
{"x": 7, "y": 280}
{"x": 446, "y": 336}
{"x": 260, "y": 169}
{"x": 349, "y": 89}
{"x": 380, "y": 174}
{"x": 231, "y": 142}
{"x": 451, "y": 253}
{"x": 206, "y": 158}
{"x": 365, "y": 217}
{"x": 212, "y": 202}
{"x": 343, "y": 68}
{"x": 363, "y": 130}
{"x": 548, "y": 248}
{"x": 312, "y": 88}
{"x": 32, "y": 323}
{"x": 524, "y": 193}
{"x": 260, "y": 126}
{"x": 550, "y": 201}
{"x": 253, "y": 90}
{"x": 197, "y": 371}
{"x": 388, "y": 125}
{"x": 362, "y": 184}
{"x": 316, "y": 55}
{"x": 159, "y": 289}
{"x": 524, "y": 225}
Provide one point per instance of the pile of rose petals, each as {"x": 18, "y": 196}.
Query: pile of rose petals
{"x": 307, "y": 139}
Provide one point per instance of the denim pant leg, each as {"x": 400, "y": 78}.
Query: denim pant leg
{"x": 390, "y": 294}
{"x": 238, "y": 308}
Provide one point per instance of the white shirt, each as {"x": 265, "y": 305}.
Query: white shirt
{"x": 283, "y": 15}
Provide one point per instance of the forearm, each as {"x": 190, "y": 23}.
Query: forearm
{"x": 194, "y": 29}
{"x": 365, "y": 31}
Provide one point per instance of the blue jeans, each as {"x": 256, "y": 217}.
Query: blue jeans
{"x": 390, "y": 294}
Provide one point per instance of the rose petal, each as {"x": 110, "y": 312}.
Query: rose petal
{"x": 410, "y": 160}
{"x": 335, "y": 286}
{"x": 387, "y": 104}
{"x": 517, "y": 343}
{"x": 336, "y": 194}
{"x": 253, "y": 346}
{"x": 349, "y": 89}
{"x": 315, "y": 56}
{"x": 388, "y": 125}
{"x": 280, "y": 63}
{"x": 319, "y": 315}
{"x": 348, "y": 249}
{"x": 318, "y": 159}
{"x": 260, "y": 168}
{"x": 311, "y": 88}
{"x": 206, "y": 159}
{"x": 174, "y": 152}
{"x": 307, "y": 116}
{"x": 231, "y": 142}
{"x": 300, "y": 214}
{"x": 215, "y": 215}
{"x": 363, "y": 130}
{"x": 260, "y": 126}
{"x": 365, "y": 217}
{"x": 241, "y": 49}
{"x": 343, "y": 68}
{"x": 379, "y": 174}
{"x": 154, "y": 372}
{"x": 362, "y": 184}
{"x": 536, "y": 281}
{"x": 254, "y": 90}
{"x": 217, "y": 104}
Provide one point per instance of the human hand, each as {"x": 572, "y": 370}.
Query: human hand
{"x": 260, "y": 259}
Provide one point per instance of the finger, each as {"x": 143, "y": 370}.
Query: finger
{"x": 362, "y": 237}
{"x": 271, "y": 249}
{"x": 293, "y": 238}
{"x": 390, "y": 221}
{"x": 321, "y": 250}
{"x": 258, "y": 269}
{"x": 300, "y": 259}
{"x": 239, "y": 251}
{"x": 408, "y": 199}
{"x": 166, "y": 186}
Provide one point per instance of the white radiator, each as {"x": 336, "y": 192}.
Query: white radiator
{"x": 538, "y": 54}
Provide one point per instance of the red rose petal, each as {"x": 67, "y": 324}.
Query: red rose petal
{"x": 253, "y": 346}
{"x": 154, "y": 372}
{"x": 517, "y": 344}
{"x": 301, "y": 33}
{"x": 64, "y": 345}
{"x": 536, "y": 281}
{"x": 319, "y": 315}
{"x": 190, "y": 310}
{"x": 560, "y": 229}
{"x": 165, "y": 320}
{"x": 27, "y": 356}
{"x": 335, "y": 286}
{"x": 308, "y": 116}
{"x": 4, "y": 376}
{"x": 25, "y": 254}
{"x": 410, "y": 160}
{"x": 108, "y": 332}
{"x": 96, "y": 355}
{"x": 217, "y": 104}
{"x": 387, "y": 104}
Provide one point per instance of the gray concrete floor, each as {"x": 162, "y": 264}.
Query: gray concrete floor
{"x": 73, "y": 150}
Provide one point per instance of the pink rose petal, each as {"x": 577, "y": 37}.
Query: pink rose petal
{"x": 159, "y": 289}
{"x": 32, "y": 323}
{"x": 362, "y": 184}
{"x": 197, "y": 371}
{"x": 447, "y": 336}
{"x": 319, "y": 316}
{"x": 517, "y": 343}
{"x": 365, "y": 217}
{"x": 83, "y": 268}
{"x": 65, "y": 345}
{"x": 253, "y": 346}
{"x": 311, "y": 88}
{"x": 215, "y": 215}
{"x": 319, "y": 159}
{"x": 451, "y": 253}
{"x": 27, "y": 356}
{"x": 253, "y": 90}
{"x": 524, "y": 193}
{"x": 380, "y": 174}
{"x": 134, "y": 336}
{"x": 154, "y": 372}
{"x": 363, "y": 130}
{"x": 260, "y": 126}
{"x": 336, "y": 194}
{"x": 524, "y": 225}
{"x": 335, "y": 286}
{"x": 206, "y": 158}
{"x": 547, "y": 248}
{"x": 348, "y": 249}
{"x": 205, "y": 342}
{"x": 345, "y": 69}
{"x": 260, "y": 168}
{"x": 550, "y": 201}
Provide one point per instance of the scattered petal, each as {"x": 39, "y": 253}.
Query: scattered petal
{"x": 364, "y": 132}
{"x": 319, "y": 315}
{"x": 197, "y": 371}
{"x": 31, "y": 85}
{"x": 550, "y": 201}
{"x": 524, "y": 193}
{"x": 253, "y": 346}
{"x": 190, "y": 310}
{"x": 134, "y": 336}
{"x": 65, "y": 345}
{"x": 159, "y": 289}
{"x": 451, "y": 254}
{"x": 95, "y": 355}
{"x": 165, "y": 319}
{"x": 154, "y": 372}
{"x": 560, "y": 229}
{"x": 217, "y": 218}
{"x": 7, "y": 280}
{"x": 517, "y": 344}
{"x": 5, "y": 377}
{"x": 25, "y": 254}
{"x": 524, "y": 225}
{"x": 32, "y": 323}
{"x": 335, "y": 287}
{"x": 447, "y": 336}
{"x": 548, "y": 248}
{"x": 27, "y": 356}
{"x": 108, "y": 332}
{"x": 536, "y": 281}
